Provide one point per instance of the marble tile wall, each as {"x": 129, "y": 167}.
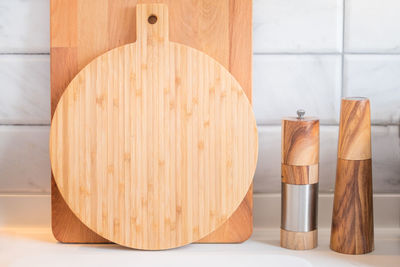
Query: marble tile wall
{"x": 286, "y": 26}
{"x": 25, "y": 89}
{"x": 285, "y": 83}
{"x": 377, "y": 77}
{"x": 24, "y": 163}
{"x": 24, "y": 26}
{"x": 307, "y": 54}
{"x": 372, "y": 26}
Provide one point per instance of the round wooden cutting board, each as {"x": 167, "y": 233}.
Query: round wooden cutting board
{"x": 153, "y": 145}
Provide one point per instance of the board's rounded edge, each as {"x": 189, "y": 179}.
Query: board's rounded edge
{"x": 256, "y": 151}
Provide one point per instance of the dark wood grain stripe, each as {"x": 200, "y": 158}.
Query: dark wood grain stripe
{"x": 352, "y": 219}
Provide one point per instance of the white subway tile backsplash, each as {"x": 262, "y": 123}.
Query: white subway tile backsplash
{"x": 386, "y": 159}
{"x": 268, "y": 172}
{"x": 376, "y": 77}
{"x": 297, "y": 26}
{"x": 372, "y": 26}
{"x": 24, "y": 159}
{"x": 328, "y": 158}
{"x": 24, "y": 26}
{"x": 24, "y": 89}
{"x": 285, "y": 83}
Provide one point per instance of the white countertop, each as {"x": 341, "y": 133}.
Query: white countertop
{"x": 37, "y": 247}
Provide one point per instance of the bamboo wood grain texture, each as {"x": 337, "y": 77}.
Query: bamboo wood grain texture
{"x": 352, "y": 219}
{"x": 179, "y": 135}
{"x": 299, "y": 240}
{"x": 194, "y": 23}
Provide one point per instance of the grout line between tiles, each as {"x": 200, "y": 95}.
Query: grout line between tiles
{"x": 374, "y": 53}
{"x": 278, "y": 124}
{"x": 256, "y": 194}
{"x": 23, "y": 54}
{"x": 297, "y": 53}
{"x": 327, "y": 194}
{"x": 262, "y": 54}
{"x": 324, "y": 54}
{"x": 259, "y": 53}
{"x": 258, "y": 125}
{"x": 342, "y": 54}
{"x": 24, "y": 193}
{"x": 329, "y": 124}
{"x": 24, "y": 124}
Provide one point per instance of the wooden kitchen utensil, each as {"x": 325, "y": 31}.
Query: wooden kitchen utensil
{"x": 153, "y": 144}
{"x": 352, "y": 220}
{"x": 300, "y": 175}
{"x": 221, "y": 29}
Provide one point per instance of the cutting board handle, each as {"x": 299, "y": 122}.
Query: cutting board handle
{"x": 152, "y": 24}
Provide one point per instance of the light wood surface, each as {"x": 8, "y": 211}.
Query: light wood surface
{"x": 355, "y": 129}
{"x": 352, "y": 220}
{"x": 300, "y": 141}
{"x": 299, "y": 240}
{"x": 292, "y": 174}
{"x": 163, "y": 127}
{"x": 222, "y": 29}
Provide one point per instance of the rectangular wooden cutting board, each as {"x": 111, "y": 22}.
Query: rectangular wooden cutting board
{"x": 84, "y": 29}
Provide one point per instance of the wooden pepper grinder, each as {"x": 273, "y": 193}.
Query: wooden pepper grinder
{"x": 300, "y": 164}
{"x": 352, "y": 220}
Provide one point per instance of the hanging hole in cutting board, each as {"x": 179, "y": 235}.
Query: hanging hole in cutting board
{"x": 152, "y": 19}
